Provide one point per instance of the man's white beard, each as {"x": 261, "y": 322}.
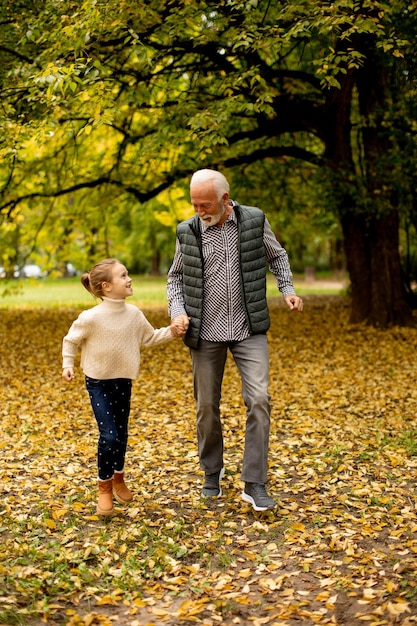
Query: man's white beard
{"x": 212, "y": 220}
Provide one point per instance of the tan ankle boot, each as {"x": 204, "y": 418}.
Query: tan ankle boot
{"x": 121, "y": 492}
{"x": 105, "y": 497}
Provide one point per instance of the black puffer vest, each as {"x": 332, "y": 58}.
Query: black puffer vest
{"x": 252, "y": 271}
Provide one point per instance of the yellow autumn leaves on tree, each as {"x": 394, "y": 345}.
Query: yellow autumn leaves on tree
{"x": 340, "y": 548}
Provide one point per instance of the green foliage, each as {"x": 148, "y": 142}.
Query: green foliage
{"x": 107, "y": 105}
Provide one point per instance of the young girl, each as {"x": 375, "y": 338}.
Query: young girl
{"x": 110, "y": 335}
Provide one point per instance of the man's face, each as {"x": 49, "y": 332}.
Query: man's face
{"x": 206, "y": 204}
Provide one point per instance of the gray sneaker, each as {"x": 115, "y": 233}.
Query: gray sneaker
{"x": 256, "y": 495}
{"x": 211, "y": 487}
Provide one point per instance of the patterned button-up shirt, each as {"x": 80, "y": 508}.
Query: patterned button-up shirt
{"x": 223, "y": 315}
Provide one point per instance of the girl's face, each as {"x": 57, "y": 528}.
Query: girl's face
{"x": 120, "y": 285}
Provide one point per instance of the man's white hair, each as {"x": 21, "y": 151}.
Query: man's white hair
{"x": 220, "y": 182}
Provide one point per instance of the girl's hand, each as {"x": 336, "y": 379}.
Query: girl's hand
{"x": 68, "y": 374}
{"x": 179, "y": 325}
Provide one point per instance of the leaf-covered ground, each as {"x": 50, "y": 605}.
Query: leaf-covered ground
{"x": 341, "y": 547}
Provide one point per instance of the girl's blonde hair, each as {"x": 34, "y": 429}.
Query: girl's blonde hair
{"x": 99, "y": 274}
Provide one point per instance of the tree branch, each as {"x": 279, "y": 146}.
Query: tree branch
{"x": 16, "y": 54}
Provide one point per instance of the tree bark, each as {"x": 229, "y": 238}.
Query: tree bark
{"x": 366, "y": 204}
{"x": 156, "y": 263}
{"x": 378, "y": 295}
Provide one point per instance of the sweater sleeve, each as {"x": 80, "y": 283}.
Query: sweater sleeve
{"x": 72, "y": 340}
{"x": 151, "y": 336}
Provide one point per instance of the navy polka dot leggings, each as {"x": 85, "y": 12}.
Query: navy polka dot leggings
{"x": 110, "y": 400}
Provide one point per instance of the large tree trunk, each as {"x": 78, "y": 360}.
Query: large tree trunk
{"x": 371, "y": 246}
{"x": 387, "y": 298}
{"x": 367, "y": 208}
{"x": 156, "y": 262}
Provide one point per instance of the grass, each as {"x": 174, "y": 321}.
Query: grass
{"x": 149, "y": 292}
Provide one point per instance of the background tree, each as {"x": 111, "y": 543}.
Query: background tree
{"x": 126, "y": 100}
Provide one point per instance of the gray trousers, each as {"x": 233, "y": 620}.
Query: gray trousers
{"x": 252, "y": 361}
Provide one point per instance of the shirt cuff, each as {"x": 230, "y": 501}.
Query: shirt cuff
{"x": 175, "y": 310}
{"x": 288, "y": 291}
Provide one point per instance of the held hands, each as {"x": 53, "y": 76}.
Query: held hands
{"x": 294, "y": 303}
{"x": 68, "y": 374}
{"x": 179, "y": 325}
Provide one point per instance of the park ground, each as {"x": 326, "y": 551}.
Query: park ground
{"x": 339, "y": 549}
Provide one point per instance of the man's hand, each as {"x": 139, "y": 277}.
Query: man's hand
{"x": 179, "y": 325}
{"x": 294, "y": 303}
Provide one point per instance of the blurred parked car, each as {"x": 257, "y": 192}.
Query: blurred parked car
{"x": 70, "y": 270}
{"x": 29, "y": 271}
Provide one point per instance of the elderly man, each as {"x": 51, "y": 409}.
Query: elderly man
{"x": 217, "y": 291}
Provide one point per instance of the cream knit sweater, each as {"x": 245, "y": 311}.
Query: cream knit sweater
{"x": 110, "y": 335}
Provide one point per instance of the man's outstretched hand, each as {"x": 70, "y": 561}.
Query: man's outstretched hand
{"x": 294, "y": 303}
